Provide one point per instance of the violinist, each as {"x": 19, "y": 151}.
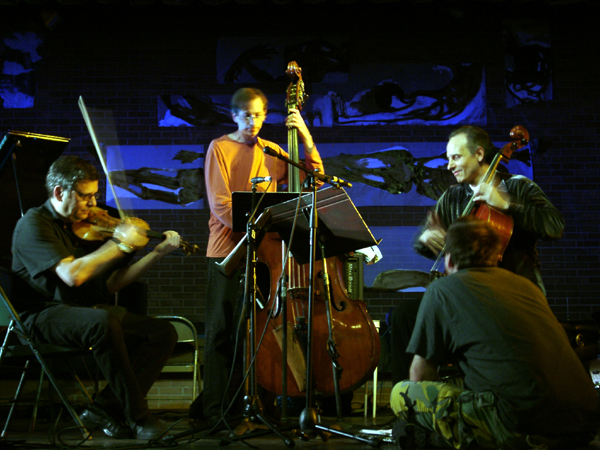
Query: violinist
{"x": 469, "y": 152}
{"x": 231, "y": 162}
{"x": 63, "y": 289}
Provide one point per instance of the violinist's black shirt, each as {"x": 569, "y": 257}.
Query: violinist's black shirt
{"x": 40, "y": 241}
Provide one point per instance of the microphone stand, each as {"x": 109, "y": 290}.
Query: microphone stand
{"x": 309, "y": 417}
{"x": 253, "y": 407}
{"x": 334, "y": 181}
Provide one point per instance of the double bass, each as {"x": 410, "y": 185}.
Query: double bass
{"x": 353, "y": 345}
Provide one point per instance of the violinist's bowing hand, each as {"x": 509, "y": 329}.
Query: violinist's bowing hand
{"x": 489, "y": 194}
{"x": 170, "y": 243}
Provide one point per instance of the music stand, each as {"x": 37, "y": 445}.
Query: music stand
{"x": 241, "y": 209}
{"x": 341, "y": 227}
{"x": 250, "y": 209}
{"x": 241, "y": 205}
{"x": 255, "y": 220}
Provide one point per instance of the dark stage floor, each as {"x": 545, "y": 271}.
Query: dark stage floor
{"x": 187, "y": 436}
{"x": 66, "y": 437}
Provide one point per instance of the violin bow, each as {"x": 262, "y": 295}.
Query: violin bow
{"x": 187, "y": 248}
{"x": 90, "y": 127}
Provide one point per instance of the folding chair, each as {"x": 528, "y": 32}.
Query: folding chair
{"x": 185, "y": 355}
{"x": 13, "y": 349}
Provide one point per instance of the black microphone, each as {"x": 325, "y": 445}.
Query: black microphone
{"x": 257, "y": 180}
{"x": 269, "y": 151}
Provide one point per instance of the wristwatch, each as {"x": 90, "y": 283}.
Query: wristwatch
{"x": 125, "y": 248}
{"x": 122, "y": 246}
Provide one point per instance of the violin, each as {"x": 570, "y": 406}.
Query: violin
{"x": 100, "y": 226}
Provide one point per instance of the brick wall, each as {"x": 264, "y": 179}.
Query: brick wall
{"x": 123, "y": 58}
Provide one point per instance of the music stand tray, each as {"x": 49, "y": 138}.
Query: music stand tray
{"x": 340, "y": 226}
{"x": 241, "y": 204}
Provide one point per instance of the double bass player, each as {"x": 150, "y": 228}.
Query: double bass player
{"x": 231, "y": 162}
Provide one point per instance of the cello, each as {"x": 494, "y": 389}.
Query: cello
{"x": 397, "y": 279}
{"x": 352, "y": 349}
{"x": 502, "y": 223}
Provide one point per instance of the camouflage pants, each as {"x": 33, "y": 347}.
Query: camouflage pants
{"x": 461, "y": 417}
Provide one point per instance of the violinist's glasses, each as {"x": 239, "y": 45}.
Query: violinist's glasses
{"x": 86, "y": 197}
{"x": 258, "y": 117}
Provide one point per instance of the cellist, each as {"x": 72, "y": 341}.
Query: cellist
{"x": 469, "y": 152}
{"x": 231, "y": 162}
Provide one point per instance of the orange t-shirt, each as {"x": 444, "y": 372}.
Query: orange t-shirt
{"x": 229, "y": 166}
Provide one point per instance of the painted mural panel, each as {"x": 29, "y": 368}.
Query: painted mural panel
{"x": 156, "y": 176}
{"x": 382, "y": 174}
{"x": 528, "y": 62}
{"x": 400, "y": 174}
{"x": 19, "y": 54}
{"x": 342, "y": 88}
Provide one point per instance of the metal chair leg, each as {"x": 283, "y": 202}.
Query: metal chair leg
{"x": 16, "y": 398}
{"x": 38, "y": 396}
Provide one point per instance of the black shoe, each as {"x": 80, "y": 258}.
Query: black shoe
{"x": 95, "y": 417}
{"x": 410, "y": 436}
{"x": 403, "y": 434}
{"x": 148, "y": 428}
{"x": 196, "y": 412}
